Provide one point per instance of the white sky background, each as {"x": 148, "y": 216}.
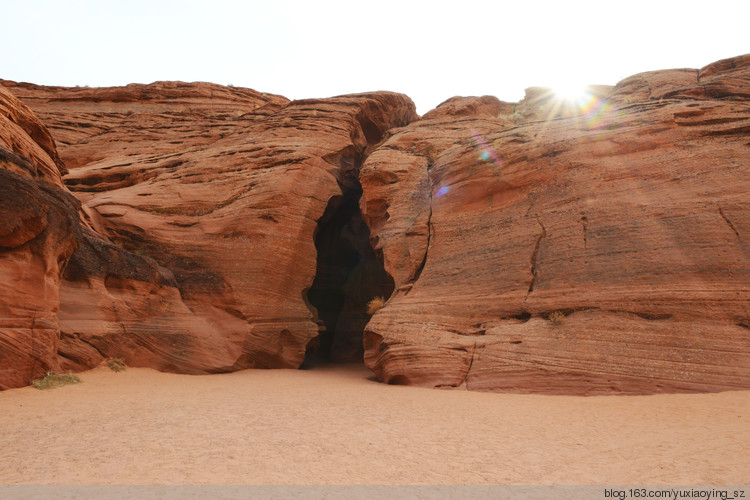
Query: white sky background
{"x": 318, "y": 48}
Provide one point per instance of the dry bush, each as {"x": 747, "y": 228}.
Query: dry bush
{"x": 53, "y": 380}
{"x": 375, "y": 305}
{"x": 117, "y": 364}
{"x": 515, "y": 117}
{"x": 556, "y": 317}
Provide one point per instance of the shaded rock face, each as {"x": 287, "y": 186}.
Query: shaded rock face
{"x": 38, "y": 226}
{"x": 541, "y": 250}
{"x": 545, "y": 246}
{"x": 203, "y": 203}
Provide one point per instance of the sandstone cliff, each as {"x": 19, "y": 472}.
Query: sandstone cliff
{"x": 204, "y": 202}
{"x": 543, "y": 246}
{"x": 37, "y": 236}
{"x": 579, "y": 248}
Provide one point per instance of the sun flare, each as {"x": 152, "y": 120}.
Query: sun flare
{"x": 570, "y": 92}
{"x": 570, "y": 99}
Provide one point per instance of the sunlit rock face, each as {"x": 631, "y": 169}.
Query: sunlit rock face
{"x": 594, "y": 244}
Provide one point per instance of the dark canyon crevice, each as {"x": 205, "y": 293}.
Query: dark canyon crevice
{"x": 349, "y": 274}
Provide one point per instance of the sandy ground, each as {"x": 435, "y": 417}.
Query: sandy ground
{"x": 336, "y": 425}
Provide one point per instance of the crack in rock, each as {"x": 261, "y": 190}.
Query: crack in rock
{"x": 471, "y": 363}
{"x": 534, "y": 268}
{"x": 729, "y": 223}
{"x": 419, "y": 269}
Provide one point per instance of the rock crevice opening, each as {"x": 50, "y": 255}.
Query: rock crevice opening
{"x": 349, "y": 274}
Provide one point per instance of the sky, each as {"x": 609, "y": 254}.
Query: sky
{"x": 429, "y": 50}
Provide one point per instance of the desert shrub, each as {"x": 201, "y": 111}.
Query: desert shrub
{"x": 556, "y": 317}
{"x": 515, "y": 117}
{"x": 117, "y": 364}
{"x": 375, "y": 305}
{"x": 432, "y": 156}
{"x": 53, "y": 380}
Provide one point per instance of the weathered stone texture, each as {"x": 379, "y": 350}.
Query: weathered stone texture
{"x": 631, "y": 217}
{"x": 546, "y": 246}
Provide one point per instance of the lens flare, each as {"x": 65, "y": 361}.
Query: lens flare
{"x": 486, "y": 153}
{"x": 594, "y": 109}
{"x": 442, "y": 191}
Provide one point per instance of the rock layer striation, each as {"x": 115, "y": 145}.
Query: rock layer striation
{"x": 38, "y": 230}
{"x": 550, "y": 246}
{"x": 203, "y": 204}
{"x": 578, "y": 248}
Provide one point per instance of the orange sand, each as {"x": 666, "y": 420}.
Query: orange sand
{"x": 335, "y": 425}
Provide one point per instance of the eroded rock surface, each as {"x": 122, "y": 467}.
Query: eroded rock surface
{"x": 214, "y": 193}
{"x": 37, "y": 236}
{"x": 544, "y": 246}
{"x": 559, "y": 248}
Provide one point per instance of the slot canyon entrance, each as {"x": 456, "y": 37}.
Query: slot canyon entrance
{"x": 348, "y": 276}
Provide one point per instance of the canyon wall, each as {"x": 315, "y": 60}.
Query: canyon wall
{"x": 201, "y": 203}
{"x": 37, "y": 237}
{"x": 551, "y": 246}
{"x": 579, "y": 248}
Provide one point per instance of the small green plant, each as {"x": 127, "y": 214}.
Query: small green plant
{"x": 556, "y": 317}
{"x": 375, "y": 305}
{"x": 53, "y": 380}
{"x": 117, "y": 364}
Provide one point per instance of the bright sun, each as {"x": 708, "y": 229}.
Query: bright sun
{"x": 570, "y": 92}
{"x": 571, "y": 99}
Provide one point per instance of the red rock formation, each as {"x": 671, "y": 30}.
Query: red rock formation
{"x": 37, "y": 236}
{"x": 630, "y": 219}
{"x": 215, "y": 193}
{"x": 543, "y": 246}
